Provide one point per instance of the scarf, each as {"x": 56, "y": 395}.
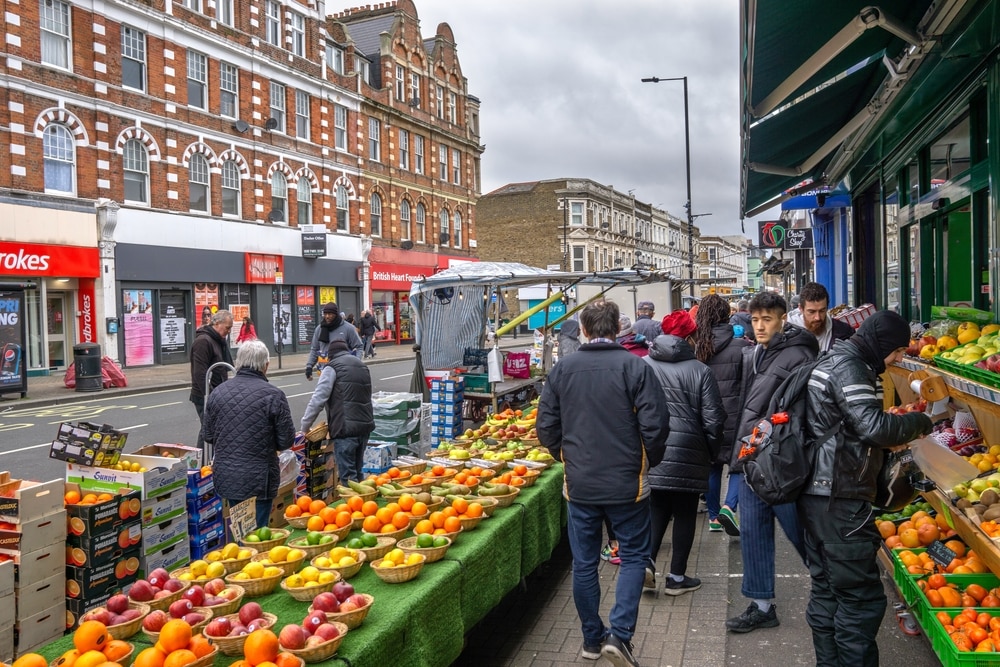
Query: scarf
{"x": 326, "y": 329}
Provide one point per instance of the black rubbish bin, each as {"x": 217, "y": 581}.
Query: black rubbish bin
{"x": 87, "y": 366}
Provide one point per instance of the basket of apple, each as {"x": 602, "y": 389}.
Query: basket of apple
{"x": 230, "y": 632}
{"x": 123, "y": 617}
{"x": 159, "y": 590}
{"x": 344, "y": 604}
{"x": 315, "y": 640}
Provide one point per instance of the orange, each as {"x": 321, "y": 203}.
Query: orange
{"x": 437, "y": 471}
{"x": 200, "y": 646}
{"x": 329, "y": 527}
{"x": 315, "y": 523}
{"x": 406, "y": 502}
{"x": 416, "y": 479}
{"x": 934, "y": 598}
{"x": 303, "y": 502}
{"x": 71, "y": 498}
{"x": 437, "y": 519}
{"x": 90, "y": 659}
{"x": 460, "y": 505}
{"x": 174, "y": 635}
{"x": 356, "y": 514}
{"x": 956, "y": 546}
{"x": 293, "y": 511}
{"x": 104, "y": 497}
{"x": 393, "y": 472}
{"x": 460, "y": 478}
{"x": 355, "y": 503}
{"x": 424, "y": 526}
{"x": 343, "y": 519}
{"x": 390, "y": 528}
{"x": 150, "y": 657}
{"x": 66, "y": 659}
{"x": 393, "y": 507}
{"x": 520, "y": 470}
{"x": 371, "y": 524}
{"x": 328, "y": 514}
{"x": 117, "y": 649}
{"x": 452, "y": 524}
{"x": 418, "y": 509}
{"x": 261, "y": 646}
{"x": 342, "y": 507}
{"x": 368, "y": 507}
{"x": 241, "y": 663}
{"x": 179, "y": 658}
{"x": 400, "y": 520}
{"x": 286, "y": 659}
{"x": 384, "y": 514}
{"x": 316, "y": 506}
{"x": 31, "y": 660}
{"x": 950, "y": 597}
{"x": 89, "y": 499}
{"x": 91, "y": 636}
{"x": 449, "y": 511}
{"x": 886, "y": 529}
{"x": 474, "y": 510}
{"x": 977, "y": 592}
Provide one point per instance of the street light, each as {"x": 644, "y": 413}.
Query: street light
{"x": 687, "y": 159}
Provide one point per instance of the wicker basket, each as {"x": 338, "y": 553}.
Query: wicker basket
{"x": 323, "y": 651}
{"x": 195, "y": 629}
{"x": 433, "y": 554}
{"x": 298, "y": 522}
{"x": 412, "y": 468}
{"x": 343, "y": 492}
{"x": 530, "y": 477}
{"x": 255, "y": 588}
{"x": 487, "y": 474}
{"x": 205, "y": 660}
{"x": 236, "y": 564}
{"x": 435, "y": 504}
{"x": 449, "y": 474}
{"x": 233, "y": 646}
{"x": 422, "y": 486}
{"x": 486, "y": 464}
{"x": 347, "y": 571}
{"x": 340, "y": 533}
{"x": 287, "y": 567}
{"x": 357, "y": 523}
{"x": 278, "y": 537}
{"x": 167, "y": 600}
{"x": 489, "y": 504}
{"x": 451, "y": 536}
{"x": 396, "y": 534}
{"x": 399, "y": 573}
{"x": 229, "y": 607}
{"x": 312, "y": 550}
{"x": 126, "y": 660}
{"x": 384, "y": 546}
{"x": 351, "y": 619}
{"x": 307, "y": 593}
{"x": 507, "y": 499}
{"x": 469, "y": 522}
{"x": 126, "y": 630}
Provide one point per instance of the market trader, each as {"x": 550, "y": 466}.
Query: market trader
{"x": 333, "y": 327}
{"x": 211, "y": 346}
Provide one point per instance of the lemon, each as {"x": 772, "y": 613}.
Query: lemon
{"x": 310, "y": 584}
{"x": 213, "y": 556}
{"x": 186, "y": 576}
{"x": 294, "y": 581}
{"x": 322, "y": 561}
{"x": 198, "y": 567}
{"x": 230, "y": 550}
{"x": 387, "y": 563}
{"x": 254, "y": 570}
{"x": 201, "y": 577}
{"x": 295, "y": 554}
{"x": 337, "y": 553}
{"x": 243, "y": 553}
{"x": 135, "y": 467}
{"x": 310, "y": 573}
{"x": 396, "y": 556}
{"x": 240, "y": 576}
{"x": 346, "y": 561}
{"x": 272, "y": 571}
{"x": 413, "y": 559}
{"x": 215, "y": 569}
{"x": 325, "y": 577}
{"x": 265, "y": 561}
{"x": 278, "y": 554}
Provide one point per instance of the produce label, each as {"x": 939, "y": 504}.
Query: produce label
{"x": 243, "y": 518}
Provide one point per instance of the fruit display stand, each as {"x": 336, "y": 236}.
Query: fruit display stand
{"x": 423, "y": 622}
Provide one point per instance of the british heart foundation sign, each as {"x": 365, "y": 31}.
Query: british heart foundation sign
{"x": 264, "y": 269}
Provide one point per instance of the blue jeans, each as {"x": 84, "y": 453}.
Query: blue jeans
{"x": 732, "y": 500}
{"x": 349, "y": 454}
{"x": 757, "y": 541}
{"x": 586, "y": 538}
{"x": 263, "y": 511}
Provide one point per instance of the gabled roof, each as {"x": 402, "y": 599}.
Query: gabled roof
{"x": 365, "y": 33}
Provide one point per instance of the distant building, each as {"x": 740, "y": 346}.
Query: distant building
{"x": 722, "y": 265}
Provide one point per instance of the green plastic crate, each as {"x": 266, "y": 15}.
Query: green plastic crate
{"x": 969, "y": 372}
{"x": 945, "y": 648}
{"x": 925, "y": 612}
{"x": 478, "y": 383}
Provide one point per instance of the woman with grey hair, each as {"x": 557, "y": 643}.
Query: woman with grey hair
{"x": 248, "y": 421}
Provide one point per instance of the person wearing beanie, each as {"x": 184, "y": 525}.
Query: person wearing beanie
{"x": 847, "y": 601}
{"x": 629, "y": 339}
{"x": 333, "y": 327}
{"x": 697, "y": 417}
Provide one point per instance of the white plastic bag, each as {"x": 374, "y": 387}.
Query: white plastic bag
{"x": 496, "y": 365}
{"x": 288, "y": 467}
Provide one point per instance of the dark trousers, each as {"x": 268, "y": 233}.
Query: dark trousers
{"x": 199, "y": 406}
{"x": 847, "y": 601}
{"x": 682, "y": 507}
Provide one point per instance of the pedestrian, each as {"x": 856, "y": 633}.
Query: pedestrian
{"x": 644, "y": 324}
{"x": 693, "y": 311}
{"x": 344, "y": 391}
{"x": 716, "y": 344}
{"x": 351, "y": 320}
{"x": 628, "y": 339}
{"x": 780, "y": 349}
{"x": 247, "y": 332}
{"x": 813, "y": 315}
{"x": 369, "y": 325}
{"x": 603, "y": 414}
{"x": 569, "y": 338}
{"x": 697, "y": 417}
{"x": 248, "y": 421}
{"x": 333, "y": 327}
{"x": 742, "y": 318}
{"x": 210, "y": 346}
{"x": 847, "y": 601}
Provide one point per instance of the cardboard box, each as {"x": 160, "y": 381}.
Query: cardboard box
{"x": 447, "y": 407}
{"x": 75, "y": 608}
{"x": 175, "y": 556}
{"x": 8, "y": 615}
{"x": 88, "y": 444}
{"x": 28, "y": 500}
{"x": 157, "y": 537}
{"x": 378, "y": 455}
{"x": 317, "y": 448}
{"x": 92, "y": 520}
{"x": 41, "y": 628}
{"x": 164, "y": 507}
{"x": 190, "y": 455}
{"x": 35, "y": 534}
{"x": 87, "y": 583}
{"x": 162, "y": 476}
{"x": 198, "y": 486}
{"x": 214, "y": 537}
{"x": 453, "y": 419}
{"x": 7, "y": 643}
{"x": 96, "y": 551}
{"x": 200, "y": 518}
{"x": 38, "y": 565}
{"x": 6, "y": 579}
{"x": 453, "y": 385}
{"x": 35, "y": 598}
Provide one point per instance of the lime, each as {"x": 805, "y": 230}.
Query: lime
{"x": 313, "y": 537}
{"x": 425, "y": 541}
{"x": 369, "y": 540}
{"x": 355, "y": 543}
{"x": 264, "y": 533}
{"x": 440, "y": 541}
{"x": 325, "y": 538}
{"x": 252, "y": 537}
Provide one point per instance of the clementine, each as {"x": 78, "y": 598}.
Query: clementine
{"x": 179, "y": 658}
{"x": 91, "y": 636}
{"x": 261, "y": 646}
{"x": 149, "y": 657}
{"x": 174, "y": 635}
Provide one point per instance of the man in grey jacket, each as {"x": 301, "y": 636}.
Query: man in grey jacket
{"x": 333, "y": 327}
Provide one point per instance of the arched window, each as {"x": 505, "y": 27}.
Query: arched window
{"x": 376, "y": 215}
{"x": 404, "y": 221}
{"x": 198, "y": 183}
{"x": 305, "y": 199}
{"x": 279, "y": 196}
{"x": 458, "y": 229}
{"x": 445, "y": 238}
{"x": 136, "y": 167}
{"x": 60, "y": 159}
{"x": 421, "y": 231}
{"x": 230, "y": 188}
{"x": 343, "y": 210}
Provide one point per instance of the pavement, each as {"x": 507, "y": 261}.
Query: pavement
{"x": 536, "y": 625}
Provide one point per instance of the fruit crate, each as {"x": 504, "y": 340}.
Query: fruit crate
{"x": 946, "y": 650}
{"x": 969, "y": 372}
{"x": 925, "y": 612}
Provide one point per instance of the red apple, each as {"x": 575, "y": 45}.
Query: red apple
{"x": 293, "y": 637}
{"x": 214, "y": 586}
{"x": 343, "y": 590}
{"x": 238, "y": 629}
{"x": 158, "y": 577}
{"x": 250, "y": 611}
{"x": 129, "y": 615}
{"x": 347, "y": 605}
{"x": 117, "y": 604}
{"x": 327, "y": 631}
{"x": 180, "y": 608}
{"x": 196, "y": 594}
{"x": 141, "y": 591}
{"x": 194, "y": 618}
{"x": 162, "y": 594}
{"x": 99, "y": 614}
{"x": 219, "y": 627}
{"x": 313, "y": 621}
{"x": 257, "y": 624}
{"x": 326, "y": 602}
{"x": 358, "y": 599}
{"x": 173, "y": 585}
{"x": 155, "y": 620}
{"x": 314, "y": 641}
{"x": 228, "y": 594}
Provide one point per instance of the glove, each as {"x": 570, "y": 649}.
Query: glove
{"x": 309, "y": 373}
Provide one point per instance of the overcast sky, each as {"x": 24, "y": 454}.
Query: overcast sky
{"x": 559, "y": 82}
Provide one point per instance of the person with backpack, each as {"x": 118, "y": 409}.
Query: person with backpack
{"x": 847, "y": 600}
{"x": 716, "y": 345}
{"x": 780, "y": 349}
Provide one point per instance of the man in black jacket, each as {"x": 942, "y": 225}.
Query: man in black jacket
{"x": 847, "y": 601}
{"x": 780, "y": 349}
{"x": 211, "y": 345}
{"x": 368, "y": 325}
{"x": 604, "y": 415}
{"x": 813, "y": 314}
{"x": 248, "y": 421}
{"x": 333, "y": 327}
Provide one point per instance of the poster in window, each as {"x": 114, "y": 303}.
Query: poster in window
{"x": 238, "y": 303}
{"x": 206, "y": 302}
{"x": 305, "y": 313}
{"x": 138, "y": 327}
{"x": 172, "y": 324}
{"x": 281, "y": 312}
{"x": 327, "y": 294}
{"x": 13, "y": 327}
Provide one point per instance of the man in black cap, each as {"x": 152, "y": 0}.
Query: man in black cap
{"x": 847, "y": 601}
{"x": 332, "y": 328}
{"x": 644, "y": 324}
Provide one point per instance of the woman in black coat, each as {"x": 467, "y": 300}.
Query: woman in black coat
{"x": 715, "y": 346}
{"x": 696, "y": 423}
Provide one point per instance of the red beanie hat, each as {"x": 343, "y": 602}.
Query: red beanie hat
{"x": 678, "y": 323}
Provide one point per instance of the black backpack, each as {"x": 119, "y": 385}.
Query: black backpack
{"x": 778, "y": 455}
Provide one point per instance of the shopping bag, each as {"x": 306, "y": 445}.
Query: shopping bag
{"x": 517, "y": 365}
{"x": 495, "y": 365}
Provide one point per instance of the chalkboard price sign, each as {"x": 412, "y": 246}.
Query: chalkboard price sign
{"x": 940, "y": 554}
{"x": 243, "y": 518}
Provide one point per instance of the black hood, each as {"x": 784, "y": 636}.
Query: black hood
{"x": 570, "y": 328}
{"x": 722, "y": 336}
{"x": 670, "y": 348}
{"x": 793, "y": 336}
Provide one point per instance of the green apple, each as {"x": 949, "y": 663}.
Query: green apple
{"x": 313, "y": 537}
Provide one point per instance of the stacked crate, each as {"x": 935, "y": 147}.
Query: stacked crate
{"x": 447, "y": 397}
{"x": 397, "y": 422}
{"x": 317, "y": 470}
{"x": 205, "y": 527}
{"x": 33, "y": 578}
{"x": 102, "y": 550}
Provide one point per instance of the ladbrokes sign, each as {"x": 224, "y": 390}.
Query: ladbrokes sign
{"x": 37, "y": 259}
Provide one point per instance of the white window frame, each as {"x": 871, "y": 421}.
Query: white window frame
{"x": 197, "y": 78}
{"x": 375, "y": 139}
{"x": 297, "y": 27}
{"x": 134, "y": 50}
{"x": 277, "y": 103}
{"x": 335, "y": 58}
{"x": 135, "y": 161}
{"x": 279, "y": 194}
{"x": 224, "y": 12}
{"x": 452, "y": 108}
{"x": 457, "y": 224}
{"x": 400, "y": 83}
{"x": 231, "y": 183}
{"x": 418, "y": 154}
{"x": 404, "y": 149}
{"x": 56, "y": 28}
{"x": 404, "y": 220}
{"x": 439, "y": 101}
{"x": 443, "y": 162}
{"x": 579, "y": 264}
{"x": 444, "y": 224}
{"x": 302, "y": 117}
{"x": 421, "y": 224}
{"x": 340, "y": 127}
{"x": 375, "y": 214}
{"x": 343, "y": 209}
{"x": 363, "y": 66}
{"x": 304, "y": 198}
{"x": 414, "y": 89}
{"x": 199, "y": 178}
{"x": 456, "y": 167}
{"x": 193, "y": 5}
{"x": 576, "y": 213}
{"x": 229, "y": 89}
{"x": 272, "y": 20}
{"x": 59, "y": 155}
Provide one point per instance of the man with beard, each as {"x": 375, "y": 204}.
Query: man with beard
{"x": 813, "y": 315}
{"x": 211, "y": 345}
{"x": 332, "y": 328}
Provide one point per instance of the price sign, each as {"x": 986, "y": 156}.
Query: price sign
{"x": 940, "y": 554}
{"x": 243, "y": 518}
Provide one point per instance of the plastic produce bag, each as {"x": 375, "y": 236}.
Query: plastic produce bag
{"x": 940, "y": 328}
{"x": 288, "y": 466}
{"x": 396, "y": 414}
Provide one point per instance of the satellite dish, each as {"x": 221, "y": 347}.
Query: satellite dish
{"x": 275, "y": 216}
{"x": 241, "y": 126}
{"x": 406, "y": 245}
{"x": 444, "y": 238}
{"x": 271, "y": 124}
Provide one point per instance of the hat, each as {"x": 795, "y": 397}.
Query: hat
{"x": 331, "y": 308}
{"x": 883, "y": 333}
{"x": 646, "y": 305}
{"x": 678, "y": 323}
{"x": 624, "y": 326}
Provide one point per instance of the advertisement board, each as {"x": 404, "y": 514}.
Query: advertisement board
{"x": 13, "y": 333}
{"x": 137, "y": 322}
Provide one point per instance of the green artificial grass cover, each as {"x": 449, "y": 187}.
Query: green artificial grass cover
{"x": 422, "y": 623}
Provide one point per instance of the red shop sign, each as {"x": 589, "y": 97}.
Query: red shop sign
{"x": 87, "y": 321}
{"x": 264, "y": 268}
{"x": 38, "y": 259}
